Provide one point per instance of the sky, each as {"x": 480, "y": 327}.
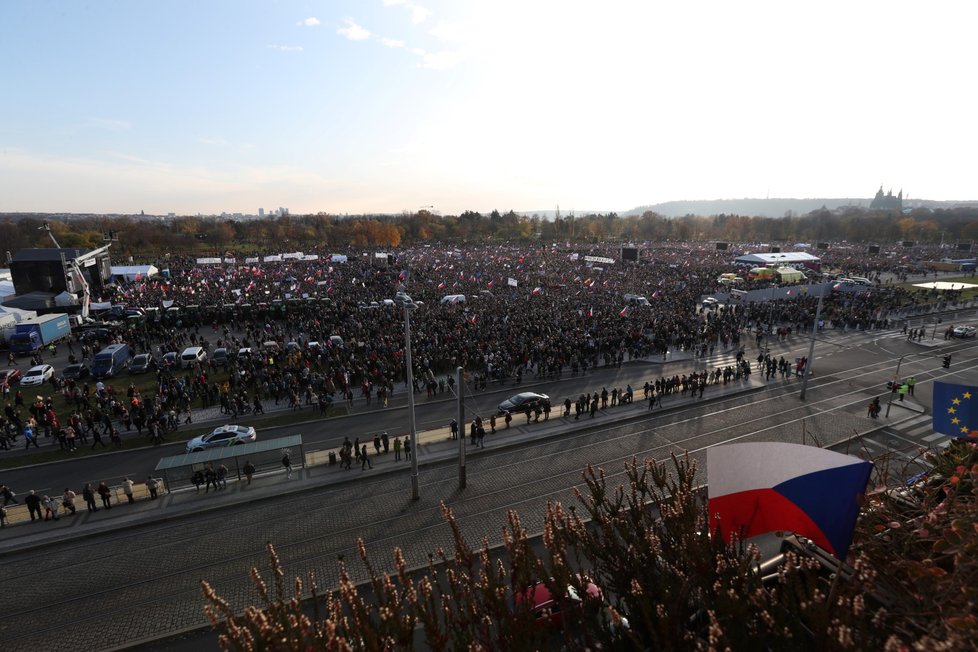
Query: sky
{"x": 391, "y": 106}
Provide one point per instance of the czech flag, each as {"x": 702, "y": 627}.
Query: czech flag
{"x": 624, "y": 312}
{"x": 537, "y": 290}
{"x": 755, "y": 488}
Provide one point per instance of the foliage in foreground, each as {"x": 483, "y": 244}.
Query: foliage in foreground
{"x": 911, "y": 584}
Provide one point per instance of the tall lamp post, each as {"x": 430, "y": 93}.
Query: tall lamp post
{"x": 805, "y": 372}
{"x": 402, "y": 299}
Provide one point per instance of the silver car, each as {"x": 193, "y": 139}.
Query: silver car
{"x": 228, "y": 435}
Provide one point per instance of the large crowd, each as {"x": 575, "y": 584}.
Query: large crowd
{"x": 528, "y": 310}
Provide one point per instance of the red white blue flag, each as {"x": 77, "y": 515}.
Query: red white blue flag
{"x": 756, "y": 488}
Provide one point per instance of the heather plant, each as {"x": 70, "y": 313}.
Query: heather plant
{"x": 924, "y": 540}
{"x": 666, "y": 583}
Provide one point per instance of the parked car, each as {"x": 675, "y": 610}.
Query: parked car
{"x": 228, "y": 435}
{"x": 220, "y": 357}
{"x": 549, "y": 611}
{"x": 520, "y": 402}
{"x": 170, "y": 360}
{"x": 76, "y": 371}
{"x": 8, "y": 377}
{"x": 964, "y": 331}
{"x": 37, "y": 375}
{"x": 142, "y": 363}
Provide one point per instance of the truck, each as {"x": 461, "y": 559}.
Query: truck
{"x": 32, "y": 334}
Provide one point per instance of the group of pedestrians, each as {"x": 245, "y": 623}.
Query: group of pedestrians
{"x": 355, "y": 452}
{"x": 51, "y": 508}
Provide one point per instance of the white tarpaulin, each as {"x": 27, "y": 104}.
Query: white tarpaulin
{"x": 130, "y": 273}
{"x": 208, "y": 261}
{"x": 251, "y": 260}
{"x": 276, "y": 258}
{"x": 944, "y": 285}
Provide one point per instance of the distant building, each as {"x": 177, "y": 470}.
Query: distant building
{"x": 261, "y": 212}
{"x": 887, "y": 202}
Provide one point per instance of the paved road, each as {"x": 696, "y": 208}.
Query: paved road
{"x": 365, "y": 421}
{"x": 133, "y": 573}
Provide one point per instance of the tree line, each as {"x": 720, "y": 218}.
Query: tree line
{"x": 150, "y": 236}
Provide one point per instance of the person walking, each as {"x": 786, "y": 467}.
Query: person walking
{"x": 50, "y": 508}
{"x": 8, "y": 495}
{"x": 153, "y": 487}
{"x": 287, "y": 463}
{"x": 30, "y": 437}
{"x": 902, "y": 391}
{"x": 33, "y": 502}
{"x": 910, "y": 383}
{"x": 106, "y": 494}
{"x": 454, "y": 428}
{"x": 397, "y": 449}
{"x": 385, "y": 440}
{"x": 376, "y": 444}
{"x": 127, "y": 489}
{"x": 89, "y": 495}
{"x": 249, "y": 470}
{"x": 68, "y": 501}
{"x": 210, "y": 477}
{"x": 97, "y": 439}
{"x": 222, "y": 477}
{"x": 364, "y": 460}
{"x": 407, "y": 448}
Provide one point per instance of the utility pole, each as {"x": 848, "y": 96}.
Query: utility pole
{"x": 461, "y": 428}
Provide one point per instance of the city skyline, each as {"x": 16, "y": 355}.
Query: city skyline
{"x": 390, "y": 106}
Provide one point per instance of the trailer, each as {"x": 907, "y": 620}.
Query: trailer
{"x": 33, "y": 334}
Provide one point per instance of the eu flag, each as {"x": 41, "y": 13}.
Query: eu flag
{"x": 955, "y": 410}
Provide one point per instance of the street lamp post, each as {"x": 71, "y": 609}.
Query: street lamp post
{"x": 461, "y": 428}
{"x": 805, "y": 373}
{"x": 408, "y": 304}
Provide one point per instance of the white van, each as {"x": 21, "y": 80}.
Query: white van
{"x": 453, "y": 298}
{"x": 862, "y": 280}
{"x": 191, "y": 355}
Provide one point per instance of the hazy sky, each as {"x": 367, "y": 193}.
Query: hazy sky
{"x": 191, "y": 106}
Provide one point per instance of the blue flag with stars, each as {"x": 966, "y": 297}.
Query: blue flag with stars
{"x": 955, "y": 410}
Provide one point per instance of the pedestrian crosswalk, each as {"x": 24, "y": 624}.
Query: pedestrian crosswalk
{"x": 907, "y": 438}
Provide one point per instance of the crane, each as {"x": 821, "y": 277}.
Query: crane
{"x": 73, "y": 271}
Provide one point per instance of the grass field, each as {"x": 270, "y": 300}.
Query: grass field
{"x": 965, "y": 294}
{"x": 146, "y": 384}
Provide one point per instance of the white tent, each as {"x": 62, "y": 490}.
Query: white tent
{"x": 130, "y": 273}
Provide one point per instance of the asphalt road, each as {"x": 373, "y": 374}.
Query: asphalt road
{"x": 317, "y": 434}
{"x": 131, "y": 585}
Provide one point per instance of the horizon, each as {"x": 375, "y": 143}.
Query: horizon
{"x": 397, "y": 106}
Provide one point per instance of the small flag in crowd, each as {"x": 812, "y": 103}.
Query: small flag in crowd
{"x": 624, "y": 312}
{"x": 403, "y": 275}
{"x": 538, "y": 290}
{"x": 955, "y": 410}
{"x": 761, "y": 487}
{"x": 441, "y": 286}
{"x": 590, "y": 312}
{"x": 491, "y": 284}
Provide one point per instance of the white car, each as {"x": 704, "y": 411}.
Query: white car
{"x": 38, "y": 375}
{"x": 222, "y": 436}
{"x": 959, "y": 331}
